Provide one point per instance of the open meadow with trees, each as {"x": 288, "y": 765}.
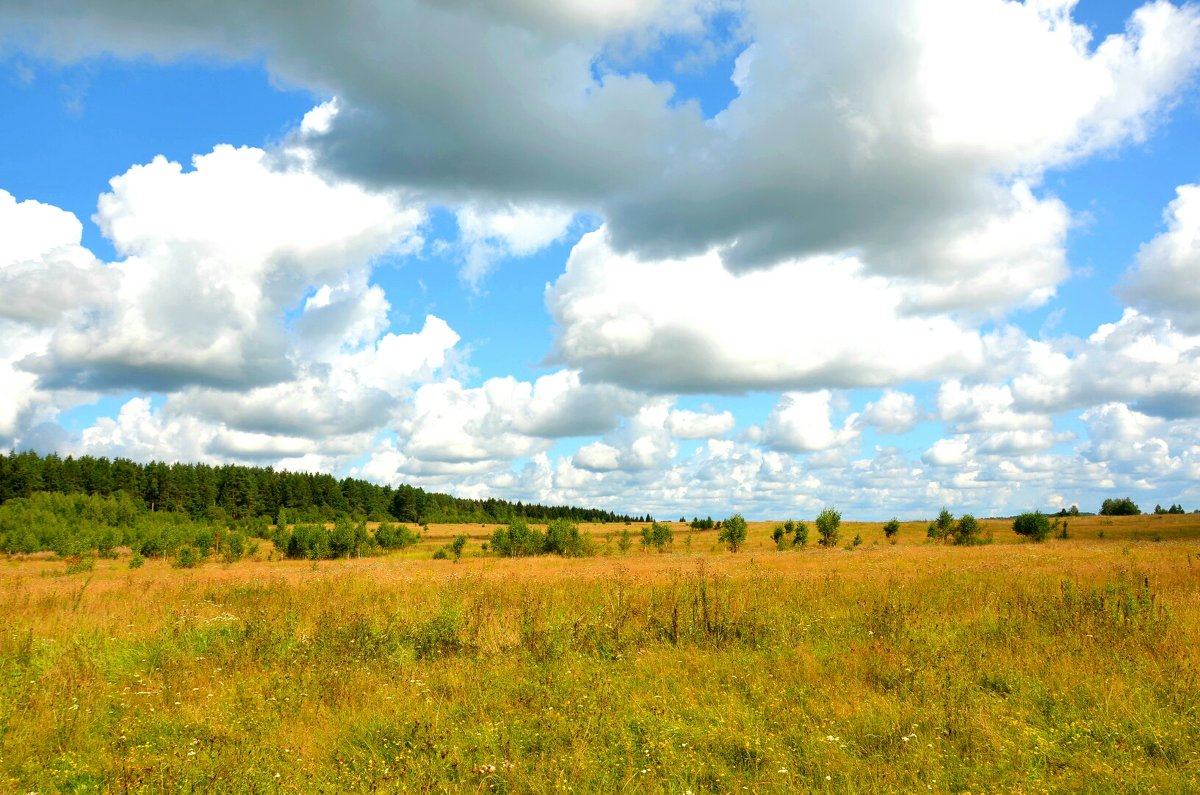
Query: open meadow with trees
{"x": 161, "y": 645}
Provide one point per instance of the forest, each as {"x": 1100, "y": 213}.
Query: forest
{"x": 232, "y": 492}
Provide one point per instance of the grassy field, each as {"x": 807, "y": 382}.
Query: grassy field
{"x": 1072, "y": 665}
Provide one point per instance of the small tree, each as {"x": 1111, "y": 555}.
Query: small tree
{"x": 1032, "y": 525}
{"x": 891, "y": 528}
{"x": 968, "y": 530}
{"x": 777, "y": 536}
{"x": 457, "y": 546}
{"x": 733, "y": 532}
{"x": 1121, "y": 507}
{"x": 801, "y": 537}
{"x": 943, "y": 528}
{"x": 625, "y": 541}
{"x": 828, "y": 522}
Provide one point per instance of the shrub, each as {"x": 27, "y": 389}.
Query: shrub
{"x": 1032, "y": 525}
{"x": 563, "y": 538}
{"x": 517, "y": 539}
{"x": 733, "y": 532}
{"x": 441, "y": 554}
{"x": 625, "y": 540}
{"x": 967, "y": 531}
{"x": 390, "y": 536}
{"x": 777, "y": 536}
{"x": 800, "y": 539}
{"x": 188, "y": 557}
{"x": 828, "y": 522}
{"x": 457, "y": 546}
{"x": 943, "y": 528}
{"x": 659, "y": 536}
{"x": 136, "y": 561}
{"x": 1121, "y": 507}
{"x": 892, "y": 527}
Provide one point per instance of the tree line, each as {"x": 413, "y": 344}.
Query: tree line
{"x": 233, "y": 492}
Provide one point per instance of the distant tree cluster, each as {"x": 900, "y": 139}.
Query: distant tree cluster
{"x": 1121, "y": 507}
{"x": 964, "y": 532}
{"x": 232, "y": 492}
{"x": 562, "y": 537}
{"x": 1174, "y": 509}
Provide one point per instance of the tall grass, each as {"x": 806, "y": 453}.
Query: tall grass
{"x": 1064, "y": 666}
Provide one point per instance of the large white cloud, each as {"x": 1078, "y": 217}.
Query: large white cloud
{"x": 213, "y": 258}
{"x": 1166, "y": 279}
{"x": 692, "y": 325}
{"x": 851, "y": 130}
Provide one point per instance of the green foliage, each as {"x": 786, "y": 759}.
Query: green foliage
{"x": 943, "y": 528}
{"x": 188, "y": 557}
{"x": 703, "y": 524}
{"x": 390, "y": 536}
{"x": 458, "y": 545}
{"x": 733, "y": 532}
{"x": 441, "y": 554}
{"x": 659, "y": 536}
{"x": 777, "y": 535}
{"x": 517, "y": 540}
{"x": 892, "y": 527}
{"x": 968, "y": 530}
{"x": 1121, "y": 507}
{"x": 828, "y": 522}
{"x": 800, "y": 539}
{"x": 231, "y": 493}
{"x": 136, "y": 561}
{"x": 563, "y": 538}
{"x": 625, "y": 540}
{"x": 1034, "y": 525}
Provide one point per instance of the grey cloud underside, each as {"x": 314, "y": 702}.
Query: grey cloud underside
{"x": 825, "y": 149}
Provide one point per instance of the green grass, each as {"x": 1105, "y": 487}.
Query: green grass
{"x": 1065, "y": 666}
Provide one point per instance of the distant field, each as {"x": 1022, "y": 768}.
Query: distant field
{"x": 1071, "y": 665}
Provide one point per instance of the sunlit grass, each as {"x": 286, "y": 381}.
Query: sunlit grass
{"x": 1070, "y": 665}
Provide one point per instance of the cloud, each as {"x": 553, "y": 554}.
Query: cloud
{"x": 851, "y": 130}
{"x": 1165, "y": 281}
{"x": 802, "y": 422}
{"x": 213, "y": 258}
{"x": 895, "y": 413}
{"x": 692, "y": 326}
{"x": 685, "y": 424}
{"x": 490, "y": 234}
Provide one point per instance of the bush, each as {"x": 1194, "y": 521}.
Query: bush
{"x": 892, "y": 527}
{"x": 1032, "y": 525}
{"x": 733, "y": 532}
{"x": 136, "y": 561}
{"x": 517, "y": 539}
{"x": 943, "y": 528}
{"x": 828, "y": 523}
{"x": 625, "y": 540}
{"x": 659, "y": 536}
{"x": 390, "y": 536}
{"x": 457, "y": 545}
{"x": 78, "y": 564}
{"x": 1121, "y": 507}
{"x": 800, "y": 539}
{"x": 441, "y": 554}
{"x": 188, "y": 557}
{"x": 563, "y": 538}
{"x": 968, "y": 530}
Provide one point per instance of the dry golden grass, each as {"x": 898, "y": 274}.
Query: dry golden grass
{"x": 1070, "y": 665}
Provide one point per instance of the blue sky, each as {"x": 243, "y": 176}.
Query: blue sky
{"x": 676, "y": 257}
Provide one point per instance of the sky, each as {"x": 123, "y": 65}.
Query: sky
{"x": 679, "y": 257}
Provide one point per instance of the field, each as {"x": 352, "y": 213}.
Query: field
{"x": 1070, "y": 665}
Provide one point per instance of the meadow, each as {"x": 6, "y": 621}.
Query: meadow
{"x": 1068, "y": 665}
